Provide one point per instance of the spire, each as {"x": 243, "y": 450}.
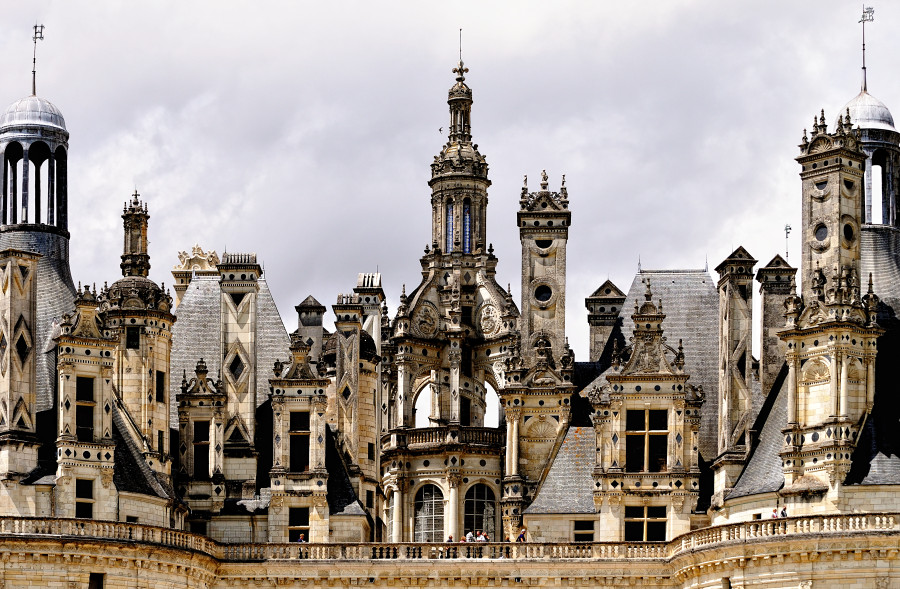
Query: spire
{"x": 868, "y": 15}
{"x": 460, "y": 101}
{"x": 38, "y": 36}
{"x": 135, "y": 260}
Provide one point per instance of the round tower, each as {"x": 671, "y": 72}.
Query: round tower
{"x": 880, "y": 141}
{"x": 34, "y": 145}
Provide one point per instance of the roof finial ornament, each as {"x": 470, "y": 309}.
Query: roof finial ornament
{"x": 868, "y": 15}
{"x": 38, "y": 36}
{"x": 460, "y": 70}
{"x": 544, "y": 182}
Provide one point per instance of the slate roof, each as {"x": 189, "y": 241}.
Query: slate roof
{"x": 197, "y": 335}
{"x": 342, "y": 499}
{"x": 876, "y": 459}
{"x": 131, "y": 473}
{"x": 569, "y": 486}
{"x": 763, "y": 473}
{"x": 691, "y": 304}
{"x": 56, "y": 295}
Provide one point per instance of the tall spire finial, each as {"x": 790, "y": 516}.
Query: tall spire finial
{"x": 38, "y": 36}
{"x": 868, "y": 15}
{"x": 460, "y": 70}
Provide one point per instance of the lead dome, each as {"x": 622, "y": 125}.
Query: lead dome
{"x": 33, "y": 111}
{"x": 868, "y": 112}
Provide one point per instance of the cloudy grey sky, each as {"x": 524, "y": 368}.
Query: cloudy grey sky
{"x": 303, "y": 131}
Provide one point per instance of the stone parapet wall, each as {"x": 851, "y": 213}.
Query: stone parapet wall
{"x": 822, "y": 551}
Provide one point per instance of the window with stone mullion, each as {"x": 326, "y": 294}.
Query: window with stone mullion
{"x": 646, "y": 440}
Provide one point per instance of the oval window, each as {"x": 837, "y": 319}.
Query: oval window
{"x": 543, "y": 293}
{"x": 821, "y": 232}
{"x": 848, "y": 232}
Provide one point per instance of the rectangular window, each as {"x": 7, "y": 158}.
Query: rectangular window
{"x": 582, "y": 531}
{"x": 371, "y": 451}
{"x": 160, "y": 386}
{"x": 465, "y": 411}
{"x": 95, "y": 580}
{"x": 84, "y": 389}
{"x": 160, "y": 442}
{"x": 645, "y": 523}
{"x": 647, "y": 439}
{"x": 201, "y": 450}
{"x": 84, "y": 498}
{"x": 299, "y": 421}
{"x": 131, "y": 519}
{"x": 299, "y": 435}
{"x": 84, "y": 422}
{"x": 298, "y": 523}
{"x": 133, "y": 338}
{"x": 370, "y": 499}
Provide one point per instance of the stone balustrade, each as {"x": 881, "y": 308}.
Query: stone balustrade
{"x": 439, "y": 436}
{"x": 705, "y": 539}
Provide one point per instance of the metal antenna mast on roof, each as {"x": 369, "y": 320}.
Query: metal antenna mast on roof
{"x": 460, "y": 45}
{"x": 868, "y": 15}
{"x": 38, "y": 36}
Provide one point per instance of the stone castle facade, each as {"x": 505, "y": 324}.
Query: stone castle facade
{"x": 196, "y": 442}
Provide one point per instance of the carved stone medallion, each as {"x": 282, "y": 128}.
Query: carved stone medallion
{"x": 489, "y": 320}
{"x": 425, "y": 320}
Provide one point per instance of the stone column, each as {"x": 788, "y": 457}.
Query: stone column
{"x": 278, "y": 461}
{"x": 25, "y": 173}
{"x": 452, "y": 520}
{"x": 51, "y": 189}
{"x": 397, "y": 523}
{"x": 843, "y": 409}
{"x": 870, "y": 383}
{"x": 404, "y": 382}
{"x": 317, "y": 450}
{"x": 833, "y": 383}
{"x": 513, "y": 445}
{"x": 792, "y": 392}
{"x": 455, "y": 361}
{"x": 509, "y": 439}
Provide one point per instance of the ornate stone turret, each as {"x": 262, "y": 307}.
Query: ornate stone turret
{"x": 459, "y": 180}
{"x": 135, "y": 260}
{"x": 831, "y": 332}
{"x": 543, "y": 221}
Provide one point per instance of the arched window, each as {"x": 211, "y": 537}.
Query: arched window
{"x": 467, "y": 226}
{"x": 449, "y": 227}
{"x": 479, "y": 510}
{"x": 429, "y": 514}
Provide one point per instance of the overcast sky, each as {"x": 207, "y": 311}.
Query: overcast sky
{"x": 304, "y": 131}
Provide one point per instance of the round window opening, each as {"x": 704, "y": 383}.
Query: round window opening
{"x": 848, "y": 232}
{"x": 821, "y": 232}
{"x": 543, "y": 293}
{"x": 543, "y": 243}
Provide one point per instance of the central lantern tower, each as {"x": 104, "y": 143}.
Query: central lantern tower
{"x": 450, "y": 338}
